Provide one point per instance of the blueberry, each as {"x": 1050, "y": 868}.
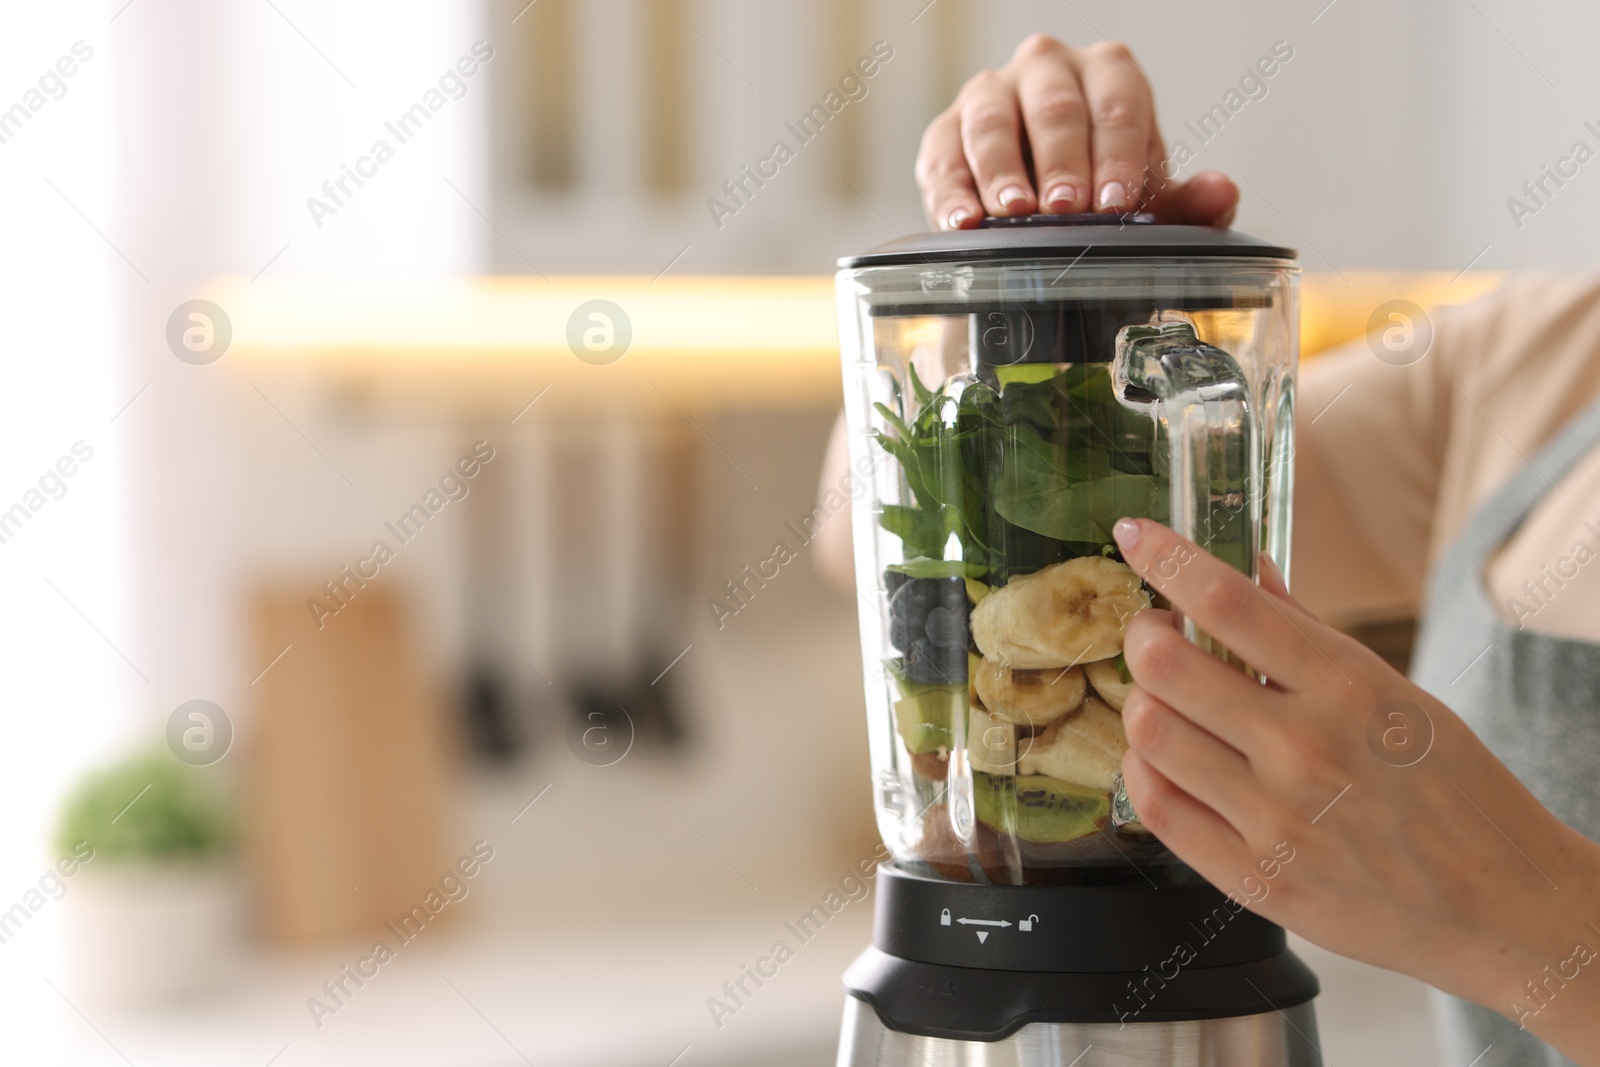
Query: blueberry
{"x": 899, "y": 633}
{"x": 947, "y": 627}
{"x": 892, "y": 581}
{"x": 952, "y": 663}
{"x": 913, "y": 600}
{"x": 931, "y": 665}
{"x": 922, "y": 666}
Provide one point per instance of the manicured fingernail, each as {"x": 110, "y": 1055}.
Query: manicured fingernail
{"x": 1113, "y": 194}
{"x": 1061, "y": 196}
{"x": 1127, "y": 532}
{"x": 957, "y": 217}
{"x": 1011, "y": 194}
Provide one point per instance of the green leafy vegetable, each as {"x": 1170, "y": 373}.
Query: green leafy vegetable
{"x": 1050, "y": 504}
{"x": 920, "y": 531}
{"x": 939, "y": 568}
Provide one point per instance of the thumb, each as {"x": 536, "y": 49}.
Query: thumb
{"x": 1207, "y": 199}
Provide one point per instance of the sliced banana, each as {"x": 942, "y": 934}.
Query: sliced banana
{"x": 991, "y": 743}
{"x": 1027, "y": 698}
{"x": 1100, "y": 726}
{"x": 1069, "y": 613}
{"x": 1085, "y": 748}
{"x": 1108, "y": 683}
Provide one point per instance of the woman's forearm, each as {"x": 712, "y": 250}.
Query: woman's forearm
{"x": 1546, "y": 978}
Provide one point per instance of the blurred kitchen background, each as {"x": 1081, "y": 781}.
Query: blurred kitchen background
{"x": 537, "y": 675}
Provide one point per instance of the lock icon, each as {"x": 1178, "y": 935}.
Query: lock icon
{"x": 1027, "y": 924}
{"x": 944, "y": 917}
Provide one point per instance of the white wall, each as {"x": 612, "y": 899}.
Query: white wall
{"x": 64, "y": 630}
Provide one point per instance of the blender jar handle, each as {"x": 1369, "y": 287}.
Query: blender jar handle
{"x": 1198, "y": 396}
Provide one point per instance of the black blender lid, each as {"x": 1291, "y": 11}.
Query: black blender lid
{"x": 1100, "y": 236}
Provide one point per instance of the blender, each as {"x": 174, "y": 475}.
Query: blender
{"x": 1013, "y": 391}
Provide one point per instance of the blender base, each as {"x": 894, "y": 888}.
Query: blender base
{"x": 1285, "y": 1038}
{"x": 1034, "y": 976}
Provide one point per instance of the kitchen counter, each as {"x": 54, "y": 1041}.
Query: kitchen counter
{"x": 585, "y": 993}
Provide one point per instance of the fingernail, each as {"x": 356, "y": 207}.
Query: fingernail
{"x": 1113, "y": 194}
{"x": 1061, "y": 196}
{"x": 1127, "y": 532}
{"x": 957, "y": 217}
{"x": 1011, "y": 194}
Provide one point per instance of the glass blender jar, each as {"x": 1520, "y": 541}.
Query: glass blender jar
{"x": 1014, "y": 390}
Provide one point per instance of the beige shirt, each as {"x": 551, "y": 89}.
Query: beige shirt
{"x": 1393, "y": 460}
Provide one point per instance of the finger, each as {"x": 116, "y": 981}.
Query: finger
{"x": 1056, "y": 117}
{"x": 1121, "y": 116}
{"x": 1272, "y": 579}
{"x": 1156, "y": 168}
{"x": 1197, "y": 762}
{"x": 1218, "y": 698}
{"x": 948, "y": 195}
{"x": 1276, "y": 586}
{"x": 1228, "y": 606}
{"x": 991, "y": 134}
{"x": 1200, "y": 837}
{"x": 1208, "y": 199}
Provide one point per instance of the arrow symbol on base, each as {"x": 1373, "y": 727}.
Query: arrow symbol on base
{"x": 982, "y": 935}
{"x": 983, "y": 922}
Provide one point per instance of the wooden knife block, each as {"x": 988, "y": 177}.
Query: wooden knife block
{"x": 349, "y": 769}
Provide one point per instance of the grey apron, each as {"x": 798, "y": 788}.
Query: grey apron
{"x": 1534, "y": 699}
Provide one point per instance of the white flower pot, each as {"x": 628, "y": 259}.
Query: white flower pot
{"x": 138, "y": 935}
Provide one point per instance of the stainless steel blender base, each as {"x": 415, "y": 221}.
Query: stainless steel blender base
{"x": 1271, "y": 1039}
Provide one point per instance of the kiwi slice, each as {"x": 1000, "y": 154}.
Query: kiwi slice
{"x": 1036, "y": 808}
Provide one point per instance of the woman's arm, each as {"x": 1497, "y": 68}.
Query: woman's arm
{"x": 832, "y": 548}
{"x": 1410, "y": 846}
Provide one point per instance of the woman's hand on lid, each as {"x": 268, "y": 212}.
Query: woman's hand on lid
{"x": 1059, "y": 130}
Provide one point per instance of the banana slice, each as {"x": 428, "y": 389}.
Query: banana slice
{"x": 991, "y": 743}
{"x": 1108, "y": 683}
{"x": 1027, "y": 698}
{"x": 1069, "y": 613}
{"x": 1085, "y": 748}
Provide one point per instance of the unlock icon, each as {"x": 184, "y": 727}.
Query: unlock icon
{"x": 944, "y": 917}
{"x": 1026, "y": 925}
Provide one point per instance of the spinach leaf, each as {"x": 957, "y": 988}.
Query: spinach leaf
{"x": 1039, "y": 498}
{"x": 1032, "y": 403}
{"x": 921, "y": 531}
{"x": 1077, "y": 464}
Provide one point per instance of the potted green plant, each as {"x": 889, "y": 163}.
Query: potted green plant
{"x": 155, "y": 915}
